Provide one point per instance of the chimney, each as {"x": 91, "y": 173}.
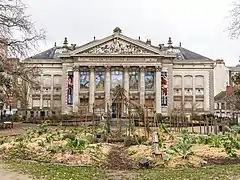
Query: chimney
{"x": 139, "y": 38}
{"x": 148, "y": 41}
{"x": 219, "y": 61}
{"x": 94, "y": 38}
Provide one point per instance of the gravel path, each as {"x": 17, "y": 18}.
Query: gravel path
{"x": 9, "y": 175}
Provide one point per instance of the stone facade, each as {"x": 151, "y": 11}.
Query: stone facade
{"x": 166, "y": 78}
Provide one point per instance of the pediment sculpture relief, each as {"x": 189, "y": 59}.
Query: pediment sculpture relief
{"x": 117, "y": 47}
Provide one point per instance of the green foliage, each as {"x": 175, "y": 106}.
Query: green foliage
{"x": 71, "y": 136}
{"x": 3, "y": 140}
{"x": 212, "y": 139}
{"x": 132, "y": 152}
{"x": 184, "y": 145}
{"x": 236, "y": 78}
{"x": 43, "y": 129}
{"x": 229, "y": 141}
{"x": 16, "y": 118}
{"x": 78, "y": 144}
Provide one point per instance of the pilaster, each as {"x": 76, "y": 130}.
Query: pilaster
{"x": 41, "y": 92}
{"x": 158, "y": 89}
{"x": 107, "y": 87}
{"x": 76, "y": 81}
{"x": 91, "y": 89}
{"x": 142, "y": 86}
{"x": 64, "y": 88}
{"x": 170, "y": 89}
{"x": 126, "y": 85}
{"x": 211, "y": 89}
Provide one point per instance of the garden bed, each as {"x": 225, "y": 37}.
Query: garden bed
{"x": 78, "y": 147}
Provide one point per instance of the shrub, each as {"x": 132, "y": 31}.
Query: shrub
{"x": 16, "y": 118}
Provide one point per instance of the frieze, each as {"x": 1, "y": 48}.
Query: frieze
{"x": 118, "y": 59}
{"x": 117, "y": 46}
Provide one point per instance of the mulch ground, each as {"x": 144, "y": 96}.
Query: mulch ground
{"x": 118, "y": 160}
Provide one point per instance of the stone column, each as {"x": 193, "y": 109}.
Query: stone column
{"x": 211, "y": 89}
{"x": 194, "y": 93}
{"x": 107, "y": 87}
{"x": 91, "y": 89}
{"x": 64, "y": 89}
{"x": 41, "y": 91}
{"x": 76, "y": 84}
{"x": 158, "y": 90}
{"x": 170, "y": 89}
{"x": 126, "y": 85}
{"x": 142, "y": 86}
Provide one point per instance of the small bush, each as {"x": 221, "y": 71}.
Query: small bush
{"x": 16, "y": 118}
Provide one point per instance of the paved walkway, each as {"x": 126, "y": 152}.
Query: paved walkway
{"x": 8, "y": 175}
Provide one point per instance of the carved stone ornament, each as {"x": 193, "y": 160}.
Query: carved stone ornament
{"x": 158, "y": 68}
{"x": 91, "y": 68}
{"x": 108, "y": 68}
{"x": 75, "y": 68}
{"x": 126, "y": 68}
{"x": 142, "y": 68}
{"x": 117, "y": 46}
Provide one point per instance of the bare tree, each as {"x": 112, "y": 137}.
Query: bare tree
{"x": 18, "y": 37}
{"x": 233, "y": 96}
{"x": 234, "y": 27}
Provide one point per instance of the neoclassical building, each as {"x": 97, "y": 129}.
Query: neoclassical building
{"x": 165, "y": 77}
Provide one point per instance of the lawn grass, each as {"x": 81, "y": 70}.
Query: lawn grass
{"x": 54, "y": 172}
{"x": 219, "y": 172}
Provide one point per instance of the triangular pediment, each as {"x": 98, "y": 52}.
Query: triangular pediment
{"x": 116, "y": 44}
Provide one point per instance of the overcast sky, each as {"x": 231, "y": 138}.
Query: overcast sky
{"x": 200, "y": 25}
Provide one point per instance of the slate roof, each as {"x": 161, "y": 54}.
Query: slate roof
{"x": 48, "y": 54}
{"x": 182, "y": 53}
{"x": 220, "y": 96}
{"x": 235, "y": 68}
{"x": 190, "y": 55}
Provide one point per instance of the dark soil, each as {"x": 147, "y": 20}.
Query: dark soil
{"x": 222, "y": 161}
{"x": 119, "y": 160}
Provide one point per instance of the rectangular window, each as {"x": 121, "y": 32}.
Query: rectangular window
{"x": 149, "y": 80}
{"x": 164, "y": 86}
{"x": 84, "y": 79}
{"x": 70, "y": 88}
{"x": 133, "y": 80}
{"x": 100, "y": 80}
{"x": 116, "y": 78}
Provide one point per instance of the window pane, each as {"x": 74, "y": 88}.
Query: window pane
{"x": 84, "y": 80}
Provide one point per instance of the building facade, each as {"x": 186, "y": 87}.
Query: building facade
{"x": 166, "y": 78}
{"x": 223, "y": 85}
